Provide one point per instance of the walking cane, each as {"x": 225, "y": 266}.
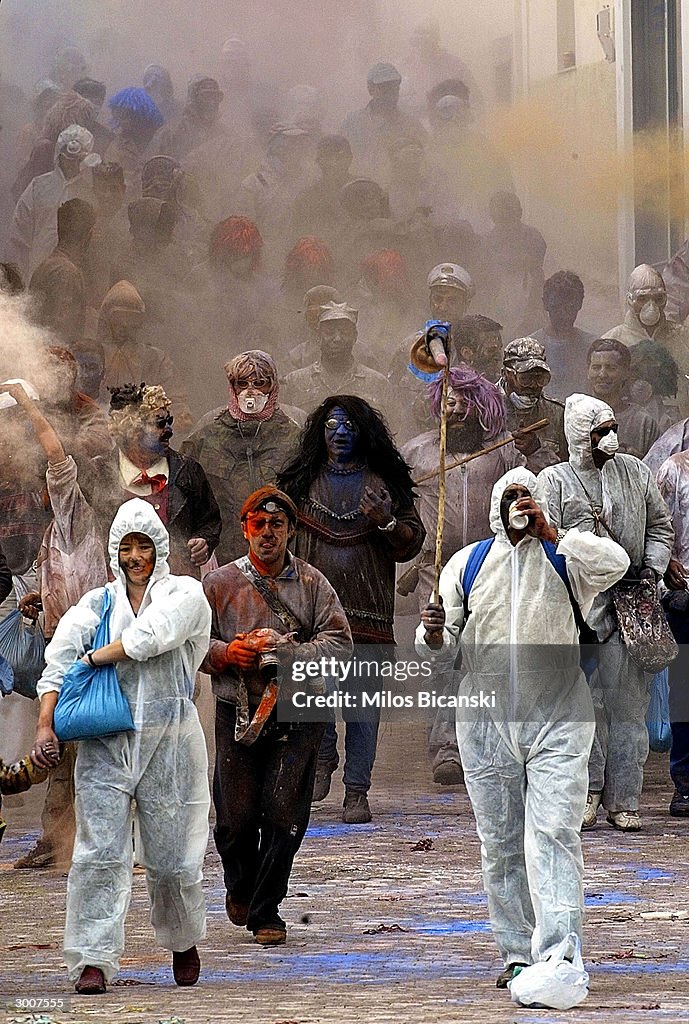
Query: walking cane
{"x": 430, "y": 353}
{"x": 438, "y": 562}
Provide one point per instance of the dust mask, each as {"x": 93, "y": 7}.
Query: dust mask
{"x": 649, "y": 314}
{"x": 608, "y": 444}
{"x": 524, "y": 402}
{"x": 251, "y": 401}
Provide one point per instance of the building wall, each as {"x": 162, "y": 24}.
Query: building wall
{"x": 567, "y": 165}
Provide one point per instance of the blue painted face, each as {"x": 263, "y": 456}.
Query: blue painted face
{"x": 341, "y": 436}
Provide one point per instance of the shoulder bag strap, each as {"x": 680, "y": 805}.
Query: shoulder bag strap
{"x": 286, "y": 617}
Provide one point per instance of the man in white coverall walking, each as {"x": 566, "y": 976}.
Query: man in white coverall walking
{"x": 506, "y": 606}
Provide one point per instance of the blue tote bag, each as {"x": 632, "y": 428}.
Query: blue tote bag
{"x": 22, "y": 646}
{"x": 91, "y": 704}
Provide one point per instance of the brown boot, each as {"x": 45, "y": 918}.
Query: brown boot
{"x": 237, "y": 912}
{"x": 270, "y": 936}
{"x": 186, "y": 967}
{"x": 91, "y": 982}
{"x": 42, "y": 855}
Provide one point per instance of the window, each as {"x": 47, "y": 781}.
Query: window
{"x": 566, "y": 36}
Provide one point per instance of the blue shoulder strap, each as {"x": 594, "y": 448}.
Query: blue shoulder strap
{"x": 557, "y": 561}
{"x": 473, "y": 567}
{"x": 478, "y": 557}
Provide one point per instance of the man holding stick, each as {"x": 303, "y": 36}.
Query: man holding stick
{"x": 475, "y": 421}
{"x": 525, "y": 375}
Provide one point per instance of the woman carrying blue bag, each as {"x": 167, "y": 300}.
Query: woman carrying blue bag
{"x": 140, "y": 739}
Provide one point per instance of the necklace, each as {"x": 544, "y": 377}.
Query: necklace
{"x": 332, "y": 468}
{"x": 343, "y": 517}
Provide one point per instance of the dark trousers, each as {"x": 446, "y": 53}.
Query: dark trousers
{"x": 679, "y": 701}
{"x": 262, "y": 797}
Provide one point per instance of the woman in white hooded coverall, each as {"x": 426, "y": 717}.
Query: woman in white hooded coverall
{"x": 159, "y": 629}
{"x": 525, "y": 758}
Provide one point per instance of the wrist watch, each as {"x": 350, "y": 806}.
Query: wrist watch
{"x": 389, "y": 527}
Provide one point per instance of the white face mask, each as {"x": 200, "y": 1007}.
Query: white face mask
{"x": 250, "y": 401}
{"x": 608, "y": 444}
{"x": 650, "y": 314}
{"x": 523, "y": 402}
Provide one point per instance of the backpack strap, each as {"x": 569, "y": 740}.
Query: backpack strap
{"x": 473, "y": 567}
{"x": 586, "y": 634}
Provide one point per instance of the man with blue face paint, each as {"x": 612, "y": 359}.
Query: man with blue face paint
{"x": 357, "y": 519}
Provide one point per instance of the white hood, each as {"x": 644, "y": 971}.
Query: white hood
{"x": 138, "y": 516}
{"x": 582, "y": 415}
{"x": 526, "y": 478}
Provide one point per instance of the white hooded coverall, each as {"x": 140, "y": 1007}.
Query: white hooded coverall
{"x": 163, "y": 765}
{"x": 525, "y": 760}
{"x": 626, "y": 494}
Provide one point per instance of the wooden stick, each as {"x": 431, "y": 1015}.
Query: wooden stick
{"x": 438, "y": 564}
{"x": 538, "y": 425}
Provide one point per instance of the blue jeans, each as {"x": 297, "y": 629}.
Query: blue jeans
{"x": 361, "y": 740}
{"x": 679, "y": 699}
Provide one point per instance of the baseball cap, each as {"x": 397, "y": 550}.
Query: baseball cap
{"x": 383, "y": 72}
{"x": 287, "y": 130}
{"x": 338, "y": 311}
{"x": 524, "y": 354}
{"x": 452, "y": 276}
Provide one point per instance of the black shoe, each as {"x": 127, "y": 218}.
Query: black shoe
{"x": 321, "y": 787}
{"x": 508, "y": 974}
{"x": 448, "y": 773}
{"x": 679, "y": 805}
{"x": 356, "y": 810}
{"x": 186, "y": 967}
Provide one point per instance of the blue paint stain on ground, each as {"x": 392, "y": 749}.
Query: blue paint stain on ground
{"x": 376, "y": 968}
{"x": 440, "y": 927}
{"x": 648, "y": 874}
{"x": 336, "y": 829}
{"x": 605, "y": 899}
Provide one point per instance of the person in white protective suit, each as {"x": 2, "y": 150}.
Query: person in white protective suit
{"x": 159, "y": 629}
{"x": 612, "y": 495}
{"x": 525, "y": 757}
{"x": 34, "y": 224}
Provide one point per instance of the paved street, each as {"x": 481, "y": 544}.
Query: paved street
{"x": 378, "y": 931}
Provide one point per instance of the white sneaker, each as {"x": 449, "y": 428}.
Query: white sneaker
{"x": 590, "y": 814}
{"x": 625, "y": 821}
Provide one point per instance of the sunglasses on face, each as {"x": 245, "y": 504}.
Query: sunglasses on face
{"x": 244, "y": 383}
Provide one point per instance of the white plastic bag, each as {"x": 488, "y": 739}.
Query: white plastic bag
{"x": 556, "y": 983}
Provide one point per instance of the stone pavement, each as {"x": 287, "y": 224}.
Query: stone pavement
{"x": 378, "y": 930}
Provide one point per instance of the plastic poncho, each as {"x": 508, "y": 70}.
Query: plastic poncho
{"x": 525, "y": 759}
{"x": 623, "y": 492}
{"x": 163, "y": 765}
{"x": 675, "y": 439}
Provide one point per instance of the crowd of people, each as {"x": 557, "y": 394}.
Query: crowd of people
{"x": 239, "y": 274}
